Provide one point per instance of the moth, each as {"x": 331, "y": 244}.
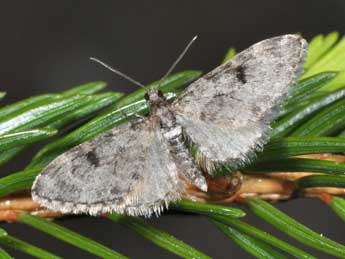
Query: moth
{"x": 141, "y": 166}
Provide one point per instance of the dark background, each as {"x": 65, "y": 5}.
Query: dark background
{"x": 45, "y": 45}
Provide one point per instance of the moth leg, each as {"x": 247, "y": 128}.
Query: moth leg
{"x": 139, "y": 116}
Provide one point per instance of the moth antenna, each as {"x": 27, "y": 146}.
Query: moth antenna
{"x": 172, "y": 67}
{"x": 128, "y": 78}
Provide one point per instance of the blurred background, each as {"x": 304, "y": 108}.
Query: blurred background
{"x": 45, "y": 47}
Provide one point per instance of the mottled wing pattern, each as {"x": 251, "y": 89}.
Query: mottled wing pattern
{"x": 127, "y": 170}
{"x": 226, "y": 114}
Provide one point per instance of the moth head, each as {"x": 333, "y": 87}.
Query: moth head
{"x": 154, "y": 97}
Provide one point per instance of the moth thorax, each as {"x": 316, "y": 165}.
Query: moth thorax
{"x": 154, "y": 97}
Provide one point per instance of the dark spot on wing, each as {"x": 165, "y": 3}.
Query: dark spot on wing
{"x": 135, "y": 176}
{"x": 256, "y": 110}
{"x": 202, "y": 116}
{"x": 240, "y": 74}
{"x": 73, "y": 171}
{"x": 114, "y": 190}
{"x": 92, "y": 158}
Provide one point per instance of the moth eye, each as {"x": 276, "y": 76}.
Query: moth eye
{"x": 160, "y": 94}
{"x": 147, "y": 97}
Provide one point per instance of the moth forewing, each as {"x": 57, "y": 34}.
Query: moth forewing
{"x": 134, "y": 174}
{"x": 227, "y": 113}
